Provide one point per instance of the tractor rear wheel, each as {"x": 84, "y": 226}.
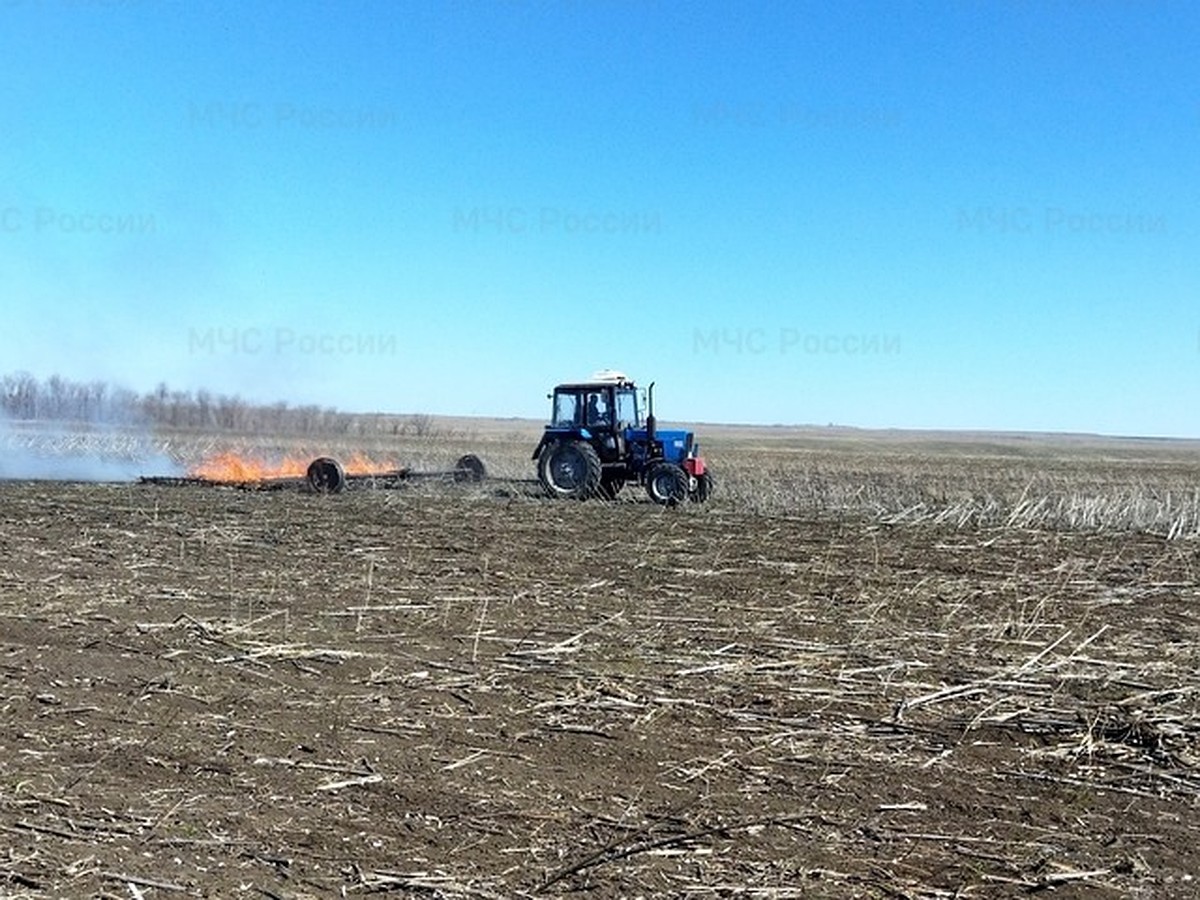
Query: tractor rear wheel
{"x": 569, "y": 470}
{"x": 667, "y": 484}
{"x": 704, "y": 488}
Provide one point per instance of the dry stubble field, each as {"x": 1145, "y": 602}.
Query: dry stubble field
{"x": 859, "y": 672}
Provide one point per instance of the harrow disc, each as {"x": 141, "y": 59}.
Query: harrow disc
{"x": 325, "y": 475}
{"x": 470, "y": 468}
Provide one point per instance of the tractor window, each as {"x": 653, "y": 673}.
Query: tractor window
{"x": 627, "y": 408}
{"x": 566, "y": 410}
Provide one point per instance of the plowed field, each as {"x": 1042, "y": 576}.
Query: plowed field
{"x": 468, "y": 692}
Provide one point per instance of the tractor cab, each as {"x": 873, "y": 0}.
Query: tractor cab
{"x": 592, "y": 405}
{"x": 599, "y": 412}
{"x": 597, "y": 440}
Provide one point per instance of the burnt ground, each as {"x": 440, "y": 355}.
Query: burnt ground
{"x": 457, "y": 693}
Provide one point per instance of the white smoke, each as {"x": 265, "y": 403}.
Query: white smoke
{"x": 41, "y": 451}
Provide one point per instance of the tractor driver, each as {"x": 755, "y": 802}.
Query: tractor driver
{"x": 597, "y": 410}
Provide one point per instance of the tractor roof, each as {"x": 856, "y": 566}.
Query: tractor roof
{"x": 593, "y": 385}
{"x": 601, "y": 378}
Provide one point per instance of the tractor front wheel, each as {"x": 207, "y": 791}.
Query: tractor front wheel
{"x": 667, "y": 484}
{"x": 704, "y": 488}
{"x": 569, "y": 470}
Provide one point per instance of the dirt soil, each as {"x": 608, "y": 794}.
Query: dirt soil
{"x": 456, "y": 692}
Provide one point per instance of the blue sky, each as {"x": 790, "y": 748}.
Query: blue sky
{"x": 881, "y": 214}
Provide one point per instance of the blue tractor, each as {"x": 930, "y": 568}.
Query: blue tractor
{"x": 597, "y": 442}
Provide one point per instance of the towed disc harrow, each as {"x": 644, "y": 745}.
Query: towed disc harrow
{"x": 326, "y": 475}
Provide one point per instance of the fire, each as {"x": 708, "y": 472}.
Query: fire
{"x": 233, "y": 467}
{"x": 361, "y": 464}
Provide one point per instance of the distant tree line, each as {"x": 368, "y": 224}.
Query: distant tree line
{"x": 55, "y": 399}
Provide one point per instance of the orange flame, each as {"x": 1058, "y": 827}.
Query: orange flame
{"x": 233, "y": 467}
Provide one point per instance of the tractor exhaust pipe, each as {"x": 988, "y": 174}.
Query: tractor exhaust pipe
{"x": 651, "y": 422}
